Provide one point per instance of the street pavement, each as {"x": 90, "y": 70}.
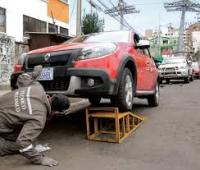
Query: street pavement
{"x": 169, "y": 139}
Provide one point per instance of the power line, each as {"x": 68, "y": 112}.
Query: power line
{"x": 99, "y": 8}
{"x": 120, "y": 10}
{"x": 183, "y": 6}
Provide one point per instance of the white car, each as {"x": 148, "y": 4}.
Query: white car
{"x": 175, "y": 68}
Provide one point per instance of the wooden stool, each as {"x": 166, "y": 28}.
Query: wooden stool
{"x": 125, "y": 124}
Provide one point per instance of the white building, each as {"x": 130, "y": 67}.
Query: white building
{"x": 196, "y": 40}
{"x": 20, "y": 16}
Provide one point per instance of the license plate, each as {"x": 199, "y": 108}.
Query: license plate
{"x": 46, "y": 74}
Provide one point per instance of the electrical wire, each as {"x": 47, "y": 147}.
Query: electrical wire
{"x": 116, "y": 18}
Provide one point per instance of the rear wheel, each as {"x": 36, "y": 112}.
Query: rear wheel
{"x": 124, "y": 98}
{"x": 153, "y": 100}
{"x": 94, "y": 100}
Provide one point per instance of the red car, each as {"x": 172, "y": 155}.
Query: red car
{"x": 196, "y": 69}
{"x": 115, "y": 65}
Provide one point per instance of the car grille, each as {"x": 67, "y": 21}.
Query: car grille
{"x": 170, "y": 69}
{"x": 56, "y": 85}
{"x": 60, "y": 58}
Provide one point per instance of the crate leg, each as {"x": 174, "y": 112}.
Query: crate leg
{"x": 127, "y": 124}
{"x": 123, "y": 126}
{"x": 96, "y": 126}
{"x": 87, "y": 123}
{"x": 117, "y": 130}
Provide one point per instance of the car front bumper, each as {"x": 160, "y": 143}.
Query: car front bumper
{"x": 80, "y": 82}
{"x": 174, "y": 74}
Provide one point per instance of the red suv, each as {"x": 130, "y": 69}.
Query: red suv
{"x": 115, "y": 65}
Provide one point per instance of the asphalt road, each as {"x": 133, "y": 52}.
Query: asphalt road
{"x": 168, "y": 140}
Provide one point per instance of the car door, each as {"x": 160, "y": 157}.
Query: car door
{"x": 151, "y": 69}
{"x": 142, "y": 70}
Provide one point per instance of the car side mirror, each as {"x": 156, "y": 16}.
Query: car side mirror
{"x": 143, "y": 44}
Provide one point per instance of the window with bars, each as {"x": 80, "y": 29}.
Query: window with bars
{"x": 64, "y": 31}
{"x": 2, "y": 20}
{"x": 52, "y": 28}
{"x": 33, "y": 25}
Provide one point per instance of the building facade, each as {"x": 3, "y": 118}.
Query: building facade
{"x": 192, "y": 38}
{"x": 163, "y": 43}
{"x": 19, "y": 17}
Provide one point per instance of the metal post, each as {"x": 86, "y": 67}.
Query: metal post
{"x": 120, "y": 5}
{"x": 181, "y": 32}
{"x": 78, "y": 18}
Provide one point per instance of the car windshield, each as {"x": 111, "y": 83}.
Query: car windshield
{"x": 116, "y": 36}
{"x": 174, "y": 61}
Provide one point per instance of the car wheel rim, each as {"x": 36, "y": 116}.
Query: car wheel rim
{"x": 128, "y": 91}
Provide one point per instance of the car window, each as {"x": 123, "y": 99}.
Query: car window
{"x": 144, "y": 51}
{"x": 115, "y": 36}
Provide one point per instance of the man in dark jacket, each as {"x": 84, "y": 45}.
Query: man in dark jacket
{"x": 23, "y": 114}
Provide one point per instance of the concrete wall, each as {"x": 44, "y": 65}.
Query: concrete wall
{"x": 7, "y": 57}
{"x": 33, "y": 8}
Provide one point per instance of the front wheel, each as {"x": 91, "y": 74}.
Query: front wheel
{"x": 153, "y": 100}
{"x": 187, "y": 79}
{"x": 124, "y": 97}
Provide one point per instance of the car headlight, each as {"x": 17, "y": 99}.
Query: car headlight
{"x": 97, "y": 51}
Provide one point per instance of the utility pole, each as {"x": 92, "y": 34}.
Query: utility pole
{"x": 78, "y": 17}
{"x": 120, "y": 10}
{"x": 183, "y": 6}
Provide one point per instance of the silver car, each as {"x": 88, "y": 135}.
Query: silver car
{"x": 175, "y": 68}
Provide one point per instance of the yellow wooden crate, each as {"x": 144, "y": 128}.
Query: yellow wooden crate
{"x": 124, "y": 124}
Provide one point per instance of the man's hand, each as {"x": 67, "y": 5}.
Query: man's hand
{"x": 46, "y": 161}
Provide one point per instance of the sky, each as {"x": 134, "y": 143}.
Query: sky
{"x": 152, "y": 14}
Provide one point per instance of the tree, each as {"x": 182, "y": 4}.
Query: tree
{"x": 91, "y": 23}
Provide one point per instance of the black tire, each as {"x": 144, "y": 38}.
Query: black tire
{"x": 160, "y": 81}
{"x": 153, "y": 100}
{"x": 167, "y": 81}
{"x": 187, "y": 79}
{"x": 126, "y": 91}
{"x": 94, "y": 100}
{"x": 192, "y": 78}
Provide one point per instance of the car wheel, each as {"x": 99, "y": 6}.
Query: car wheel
{"x": 125, "y": 95}
{"x": 167, "y": 81}
{"x": 187, "y": 79}
{"x": 153, "y": 100}
{"x": 160, "y": 81}
{"x": 192, "y": 78}
{"x": 94, "y": 100}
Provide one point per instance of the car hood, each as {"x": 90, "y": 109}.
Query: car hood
{"x": 63, "y": 47}
{"x": 172, "y": 65}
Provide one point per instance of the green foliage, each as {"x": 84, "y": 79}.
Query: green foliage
{"x": 91, "y": 23}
